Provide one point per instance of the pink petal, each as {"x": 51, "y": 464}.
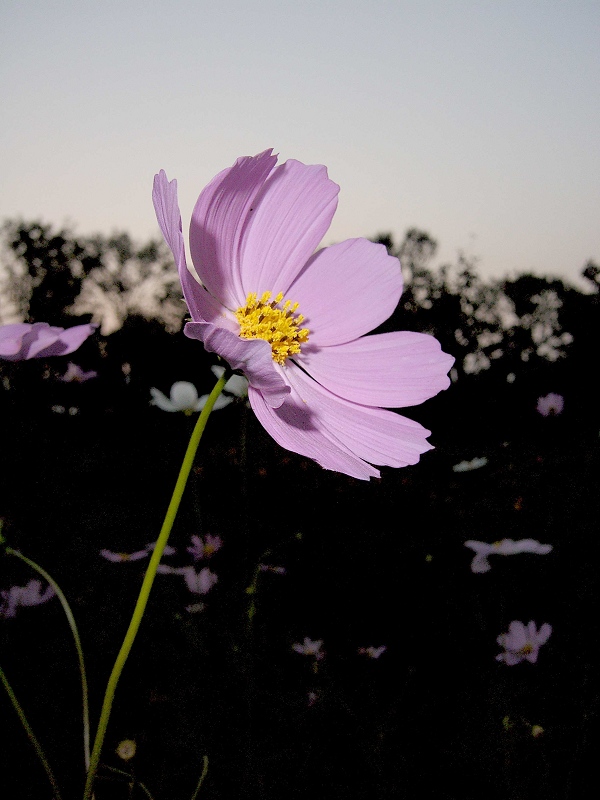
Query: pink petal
{"x": 391, "y": 370}
{"x": 291, "y": 215}
{"x": 347, "y": 290}
{"x": 252, "y": 356}
{"x": 512, "y": 658}
{"x": 517, "y": 635}
{"x": 373, "y": 434}
{"x": 218, "y": 223}
{"x": 164, "y": 196}
{"x": 544, "y": 633}
{"x": 293, "y": 427}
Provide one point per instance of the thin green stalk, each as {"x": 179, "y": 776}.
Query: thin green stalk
{"x": 202, "y": 777}
{"x": 144, "y": 594}
{"x": 30, "y": 734}
{"x": 131, "y": 779}
{"x": 75, "y": 632}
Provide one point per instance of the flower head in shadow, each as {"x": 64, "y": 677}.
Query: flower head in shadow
{"x": 29, "y": 595}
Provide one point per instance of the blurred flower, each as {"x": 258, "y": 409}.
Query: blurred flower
{"x": 20, "y": 341}
{"x": 139, "y": 554}
{"x": 318, "y": 390}
{"x": 536, "y": 731}
{"x": 197, "y": 582}
{"x": 467, "y": 466}
{"x": 269, "y": 568}
{"x": 522, "y": 642}
{"x": 75, "y": 374}
{"x": 505, "y": 547}
{"x": 29, "y": 595}
{"x": 126, "y": 749}
{"x": 550, "y": 405}
{"x": 310, "y": 648}
{"x": 184, "y": 397}
{"x": 236, "y": 385}
{"x": 372, "y": 652}
{"x": 204, "y": 548}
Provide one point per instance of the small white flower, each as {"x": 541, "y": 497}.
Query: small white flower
{"x": 75, "y": 374}
{"x": 505, "y": 547}
{"x": 184, "y": 397}
{"x": 29, "y": 595}
{"x": 551, "y": 404}
{"x": 468, "y": 466}
{"x": 236, "y": 385}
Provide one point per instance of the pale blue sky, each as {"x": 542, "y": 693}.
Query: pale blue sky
{"x": 477, "y": 121}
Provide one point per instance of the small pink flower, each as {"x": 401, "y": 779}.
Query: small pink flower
{"x": 551, "y": 405}
{"x": 522, "y": 642}
{"x": 75, "y": 374}
{"x": 372, "y": 652}
{"x": 505, "y": 547}
{"x": 21, "y": 341}
{"x": 310, "y": 648}
{"x": 29, "y": 595}
{"x": 294, "y": 321}
{"x": 204, "y": 548}
{"x": 269, "y": 568}
{"x": 110, "y": 555}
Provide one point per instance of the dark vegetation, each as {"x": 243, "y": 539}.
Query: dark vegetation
{"x": 436, "y": 716}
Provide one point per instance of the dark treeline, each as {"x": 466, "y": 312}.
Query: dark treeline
{"x": 91, "y": 465}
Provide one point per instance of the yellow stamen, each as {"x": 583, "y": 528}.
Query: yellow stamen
{"x": 275, "y": 323}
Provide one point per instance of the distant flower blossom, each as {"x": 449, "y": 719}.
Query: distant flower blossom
{"x": 110, "y": 555}
{"x": 310, "y": 648}
{"x": 184, "y": 397}
{"x": 468, "y": 466}
{"x": 197, "y": 582}
{"x": 204, "y": 548}
{"x": 372, "y": 652}
{"x": 126, "y": 749}
{"x": 29, "y": 595}
{"x": 294, "y": 321}
{"x": 505, "y": 547}
{"x": 237, "y": 385}
{"x": 21, "y": 340}
{"x": 522, "y": 642}
{"x": 551, "y": 404}
{"x": 75, "y": 374}
{"x": 270, "y": 568}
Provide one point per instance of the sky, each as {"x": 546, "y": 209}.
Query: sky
{"x": 477, "y": 121}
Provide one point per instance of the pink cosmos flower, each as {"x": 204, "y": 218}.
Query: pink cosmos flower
{"x": 110, "y": 555}
{"x": 505, "y": 547}
{"x": 372, "y": 652}
{"x": 21, "y": 340}
{"x": 29, "y": 595}
{"x": 75, "y": 374}
{"x": 310, "y": 647}
{"x": 204, "y": 548}
{"x": 294, "y": 321}
{"x": 522, "y": 642}
{"x": 551, "y": 404}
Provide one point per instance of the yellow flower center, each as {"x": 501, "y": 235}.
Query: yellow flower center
{"x": 526, "y": 649}
{"x": 274, "y": 322}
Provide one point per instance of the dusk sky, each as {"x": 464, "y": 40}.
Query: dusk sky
{"x": 477, "y": 121}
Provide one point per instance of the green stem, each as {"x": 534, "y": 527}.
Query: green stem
{"x": 144, "y": 594}
{"x": 30, "y": 734}
{"x": 202, "y": 777}
{"x": 75, "y": 632}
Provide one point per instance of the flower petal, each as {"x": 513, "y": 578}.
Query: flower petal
{"x": 373, "y": 434}
{"x": 291, "y": 215}
{"x": 161, "y": 400}
{"x": 164, "y": 196}
{"x": 184, "y": 395}
{"x": 293, "y": 427}
{"x": 252, "y": 356}
{"x": 391, "y": 370}
{"x": 544, "y": 633}
{"x": 346, "y": 290}
{"x": 218, "y": 223}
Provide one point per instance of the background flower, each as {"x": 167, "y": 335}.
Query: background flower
{"x": 522, "y": 642}
{"x": 20, "y": 341}
{"x": 551, "y": 404}
{"x": 505, "y": 547}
